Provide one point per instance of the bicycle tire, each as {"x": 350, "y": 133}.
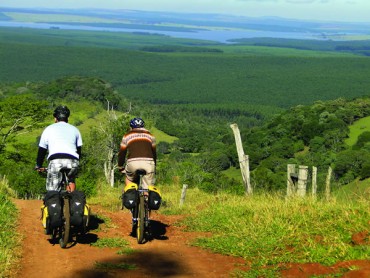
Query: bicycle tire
{"x": 63, "y": 241}
{"x": 140, "y": 220}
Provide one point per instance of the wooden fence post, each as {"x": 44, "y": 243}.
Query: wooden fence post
{"x": 291, "y": 172}
{"x": 314, "y": 181}
{"x": 327, "y": 187}
{"x": 243, "y": 159}
{"x": 183, "y": 194}
{"x": 302, "y": 180}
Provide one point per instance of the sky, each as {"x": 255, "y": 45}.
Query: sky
{"x": 327, "y": 10}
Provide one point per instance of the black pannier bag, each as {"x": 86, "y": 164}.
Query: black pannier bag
{"x": 77, "y": 205}
{"x": 52, "y": 201}
{"x": 155, "y": 198}
{"x": 130, "y": 196}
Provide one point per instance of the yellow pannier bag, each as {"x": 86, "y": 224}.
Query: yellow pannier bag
{"x": 44, "y": 216}
{"x": 131, "y": 185}
{"x": 86, "y": 217}
{"x": 87, "y": 210}
{"x": 155, "y": 189}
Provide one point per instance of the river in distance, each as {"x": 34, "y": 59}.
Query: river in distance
{"x": 220, "y": 35}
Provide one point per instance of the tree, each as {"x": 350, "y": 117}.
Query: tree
{"x": 19, "y": 114}
{"x": 104, "y": 144}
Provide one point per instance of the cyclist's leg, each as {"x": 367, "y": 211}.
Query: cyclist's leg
{"x": 149, "y": 178}
{"x": 54, "y": 176}
{"x": 130, "y": 171}
{"x": 73, "y": 165}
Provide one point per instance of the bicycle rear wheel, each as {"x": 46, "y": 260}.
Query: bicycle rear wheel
{"x": 140, "y": 220}
{"x": 64, "y": 239}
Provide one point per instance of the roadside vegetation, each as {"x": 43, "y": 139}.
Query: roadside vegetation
{"x": 9, "y": 238}
{"x": 289, "y": 108}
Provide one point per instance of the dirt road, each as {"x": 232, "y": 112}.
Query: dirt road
{"x": 167, "y": 255}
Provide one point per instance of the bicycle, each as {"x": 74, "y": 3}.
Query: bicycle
{"x": 140, "y": 212}
{"x": 63, "y": 231}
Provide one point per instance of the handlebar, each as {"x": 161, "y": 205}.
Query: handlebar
{"x": 41, "y": 170}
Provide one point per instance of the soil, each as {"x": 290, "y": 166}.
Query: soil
{"x": 168, "y": 254}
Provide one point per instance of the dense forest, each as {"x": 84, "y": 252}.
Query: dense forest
{"x": 290, "y": 106}
{"x": 312, "y": 135}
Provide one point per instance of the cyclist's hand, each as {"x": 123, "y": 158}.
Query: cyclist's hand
{"x": 40, "y": 169}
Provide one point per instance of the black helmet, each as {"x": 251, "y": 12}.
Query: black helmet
{"x": 61, "y": 113}
{"x": 137, "y": 123}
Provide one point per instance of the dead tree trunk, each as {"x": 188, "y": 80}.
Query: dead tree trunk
{"x": 243, "y": 159}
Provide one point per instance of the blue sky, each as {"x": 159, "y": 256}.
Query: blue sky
{"x": 337, "y": 10}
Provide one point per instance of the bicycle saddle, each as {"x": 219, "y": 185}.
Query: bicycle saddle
{"x": 140, "y": 172}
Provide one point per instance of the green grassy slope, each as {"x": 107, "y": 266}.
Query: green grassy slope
{"x": 356, "y": 129}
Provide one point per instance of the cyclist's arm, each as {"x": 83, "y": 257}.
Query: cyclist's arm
{"x": 121, "y": 156}
{"x": 154, "y": 150}
{"x": 154, "y": 154}
{"x": 40, "y": 157}
{"x": 79, "y": 151}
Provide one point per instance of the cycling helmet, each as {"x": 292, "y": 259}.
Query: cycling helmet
{"x": 137, "y": 123}
{"x": 61, "y": 113}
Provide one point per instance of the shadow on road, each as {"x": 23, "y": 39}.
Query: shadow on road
{"x": 82, "y": 238}
{"x": 158, "y": 230}
{"x": 139, "y": 264}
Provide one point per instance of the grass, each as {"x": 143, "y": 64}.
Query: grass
{"x": 162, "y": 137}
{"x": 268, "y": 230}
{"x": 356, "y": 129}
{"x": 356, "y": 190}
{"x": 9, "y": 239}
{"x": 116, "y": 242}
{"x": 107, "y": 197}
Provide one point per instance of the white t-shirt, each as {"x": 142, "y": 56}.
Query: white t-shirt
{"x": 61, "y": 137}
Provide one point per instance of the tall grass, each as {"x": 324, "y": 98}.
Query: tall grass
{"x": 107, "y": 197}
{"x": 9, "y": 239}
{"x": 268, "y": 230}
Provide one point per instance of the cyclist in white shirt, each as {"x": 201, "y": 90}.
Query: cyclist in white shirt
{"x": 62, "y": 142}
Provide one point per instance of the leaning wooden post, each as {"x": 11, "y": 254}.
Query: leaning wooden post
{"x": 314, "y": 181}
{"x": 183, "y": 194}
{"x": 327, "y": 187}
{"x": 243, "y": 159}
{"x": 302, "y": 180}
{"x": 290, "y": 183}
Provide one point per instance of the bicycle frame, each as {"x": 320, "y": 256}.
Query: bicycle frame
{"x": 140, "y": 213}
{"x": 64, "y": 230}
